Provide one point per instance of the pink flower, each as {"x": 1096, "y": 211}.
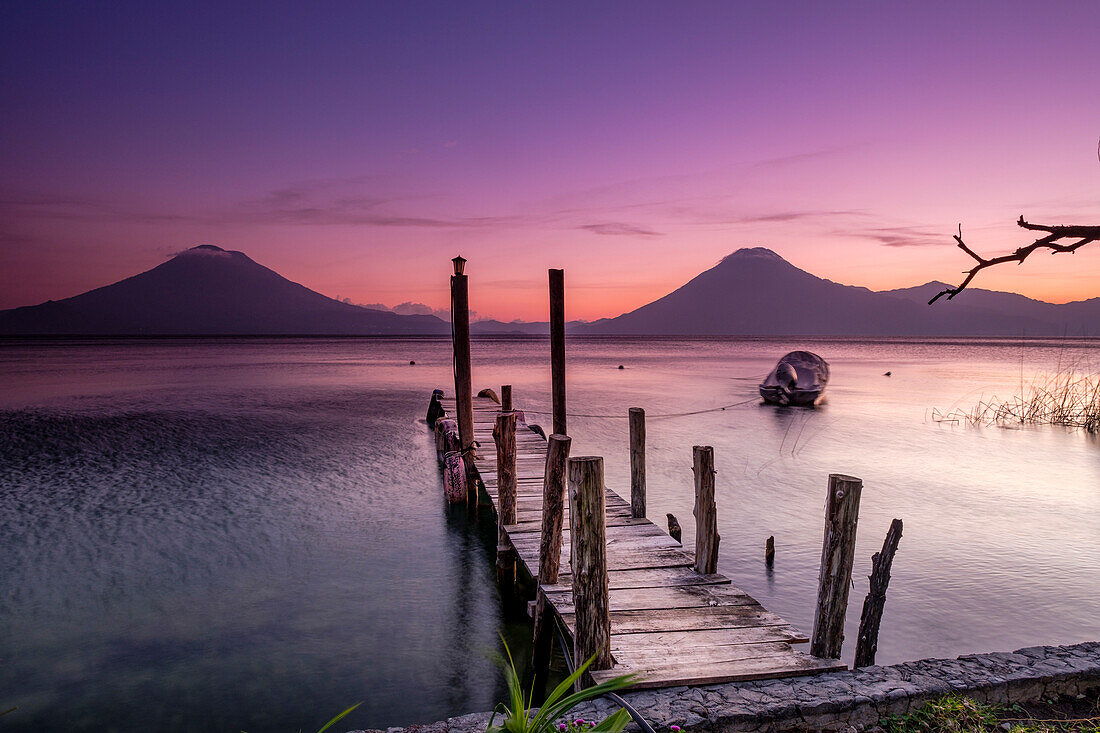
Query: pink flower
{"x": 578, "y": 721}
{"x": 562, "y": 726}
{"x": 674, "y": 728}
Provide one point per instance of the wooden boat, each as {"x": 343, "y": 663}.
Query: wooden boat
{"x": 798, "y": 379}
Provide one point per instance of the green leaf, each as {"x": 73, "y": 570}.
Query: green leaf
{"x": 613, "y": 723}
{"x": 338, "y": 718}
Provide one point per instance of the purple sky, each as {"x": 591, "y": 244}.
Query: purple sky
{"x": 357, "y": 147}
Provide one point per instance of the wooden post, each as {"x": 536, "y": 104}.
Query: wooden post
{"x": 706, "y": 512}
{"x": 506, "y": 500}
{"x": 557, "y": 348}
{"x": 588, "y": 534}
{"x": 637, "y": 462}
{"x": 460, "y": 323}
{"x": 506, "y": 398}
{"x": 837, "y": 554}
{"x": 769, "y": 551}
{"x": 553, "y": 518}
{"x": 867, "y": 641}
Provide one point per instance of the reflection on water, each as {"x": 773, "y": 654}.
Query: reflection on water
{"x": 250, "y": 534}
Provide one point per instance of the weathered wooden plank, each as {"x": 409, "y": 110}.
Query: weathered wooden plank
{"x": 694, "y": 642}
{"x": 784, "y": 665}
{"x": 661, "y": 557}
{"x": 649, "y": 578}
{"x": 644, "y": 599}
{"x": 703, "y": 655}
{"x": 688, "y": 619}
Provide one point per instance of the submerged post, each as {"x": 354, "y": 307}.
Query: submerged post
{"x": 557, "y": 348}
{"x": 588, "y": 533}
{"x": 460, "y": 322}
{"x": 506, "y": 500}
{"x": 637, "y": 462}
{"x": 837, "y": 554}
{"x": 875, "y": 602}
{"x": 506, "y": 398}
{"x": 706, "y": 512}
{"x": 553, "y": 518}
{"x": 769, "y": 551}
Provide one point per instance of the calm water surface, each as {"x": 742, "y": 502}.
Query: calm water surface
{"x": 250, "y": 534}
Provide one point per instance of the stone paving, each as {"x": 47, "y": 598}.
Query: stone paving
{"x": 845, "y": 701}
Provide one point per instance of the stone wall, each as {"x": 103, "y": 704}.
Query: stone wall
{"x": 845, "y": 700}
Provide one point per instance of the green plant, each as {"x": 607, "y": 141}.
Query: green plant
{"x": 517, "y": 715}
{"x": 337, "y": 719}
{"x": 957, "y": 714}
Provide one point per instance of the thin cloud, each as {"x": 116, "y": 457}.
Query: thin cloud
{"x": 902, "y": 236}
{"x": 620, "y": 229}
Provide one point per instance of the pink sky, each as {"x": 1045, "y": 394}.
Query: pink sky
{"x": 632, "y": 145}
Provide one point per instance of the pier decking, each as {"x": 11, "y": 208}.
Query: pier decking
{"x": 670, "y": 625}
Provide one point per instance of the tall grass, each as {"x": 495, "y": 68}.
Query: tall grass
{"x": 1068, "y": 398}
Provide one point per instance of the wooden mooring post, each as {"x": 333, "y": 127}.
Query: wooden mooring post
{"x": 557, "y": 348}
{"x": 706, "y": 512}
{"x": 553, "y": 519}
{"x": 837, "y": 555}
{"x": 460, "y": 322}
{"x": 506, "y": 398}
{"x": 637, "y": 462}
{"x": 588, "y": 534}
{"x": 875, "y": 602}
{"x": 506, "y": 501}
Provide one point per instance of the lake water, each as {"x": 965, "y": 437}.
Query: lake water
{"x": 251, "y": 534}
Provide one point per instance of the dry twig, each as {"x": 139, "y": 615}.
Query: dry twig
{"x": 1084, "y": 235}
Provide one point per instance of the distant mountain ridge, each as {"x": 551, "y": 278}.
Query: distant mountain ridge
{"x": 755, "y": 292}
{"x": 207, "y": 290}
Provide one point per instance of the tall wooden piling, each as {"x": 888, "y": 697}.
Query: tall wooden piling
{"x": 588, "y": 534}
{"x": 506, "y": 500}
{"x": 557, "y": 348}
{"x": 837, "y": 555}
{"x": 460, "y": 324}
{"x": 637, "y": 462}
{"x": 553, "y": 519}
{"x": 506, "y": 398}
{"x": 706, "y": 512}
{"x": 875, "y": 602}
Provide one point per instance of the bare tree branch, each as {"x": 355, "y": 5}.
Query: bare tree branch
{"x": 1083, "y": 234}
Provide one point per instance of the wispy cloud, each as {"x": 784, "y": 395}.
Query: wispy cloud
{"x": 615, "y": 228}
{"x": 789, "y": 216}
{"x": 902, "y": 236}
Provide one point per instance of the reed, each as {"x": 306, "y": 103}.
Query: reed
{"x": 1068, "y": 398}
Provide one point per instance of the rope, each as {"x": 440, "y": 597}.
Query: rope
{"x": 667, "y": 414}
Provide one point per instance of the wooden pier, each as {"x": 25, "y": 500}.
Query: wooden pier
{"x": 670, "y": 624}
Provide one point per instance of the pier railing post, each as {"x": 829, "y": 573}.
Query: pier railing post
{"x": 837, "y": 555}
{"x": 460, "y": 322}
{"x": 637, "y": 462}
{"x": 706, "y": 512}
{"x": 506, "y": 398}
{"x": 506, "y": 500}
{"x": 553, "y": 519}
{"x": 588, "y": 534}
{"x": 557, "y": 348}
{"x": 875, "y": 602}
